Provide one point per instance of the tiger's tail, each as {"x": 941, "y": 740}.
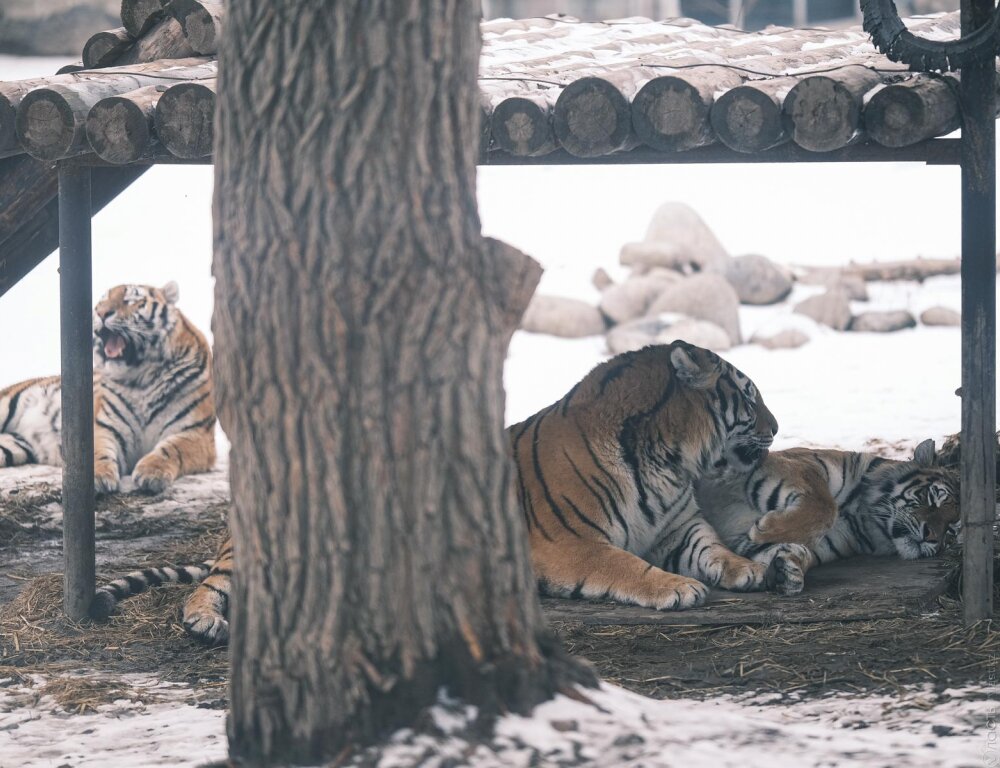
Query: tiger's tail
{"x": 107, "y": 596}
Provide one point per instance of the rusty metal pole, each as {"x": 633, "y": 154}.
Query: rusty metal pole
{"x": 76, "y": 313}
{"x": 978, "y": 322}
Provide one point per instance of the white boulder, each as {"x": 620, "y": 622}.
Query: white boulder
{"x": 559, "y": 316}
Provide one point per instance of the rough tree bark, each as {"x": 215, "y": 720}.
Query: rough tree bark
{"x": 361, "y": 324}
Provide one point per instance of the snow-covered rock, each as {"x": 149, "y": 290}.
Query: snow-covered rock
{"x": 706, "y": 296}
{"x": 559, "y": 316}
{"x": 940, "y": 316}
{"x": 787, "y": 338}
{"x": 701, "y": 333}
{"x": 853, "y": 285}
{"x": 632, "y": 299}
{"x": 883, "y": 322}
{"x": 677, "y": 238}
{"x": 601, "y": 280}
{"x": 758, "y": 280}
{"x": 635, "y": 334}
{"x": 831, "y": 309}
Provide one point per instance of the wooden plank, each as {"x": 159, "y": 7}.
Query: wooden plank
{"x": 859, "y": 589}
{"x": 979, "y": 224}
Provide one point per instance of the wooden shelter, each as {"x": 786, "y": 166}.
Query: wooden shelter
{"x": 554, "y": 91}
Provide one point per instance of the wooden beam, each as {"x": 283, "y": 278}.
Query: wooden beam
{"x": 25, "y": 247}
{"x": 76, "y": 323}
{"x": 978, "y": 471}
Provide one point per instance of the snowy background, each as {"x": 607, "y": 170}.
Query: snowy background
{"x": 840, "y": 389}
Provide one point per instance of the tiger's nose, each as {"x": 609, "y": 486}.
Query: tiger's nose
{"x": 927, "y": 533}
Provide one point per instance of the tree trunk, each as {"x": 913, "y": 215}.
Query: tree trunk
{"x": 361, "y": 324}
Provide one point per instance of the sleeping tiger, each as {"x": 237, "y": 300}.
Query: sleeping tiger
{"x": 153, "y": 409}
{"x": 815, "y": 506}
{"x": 606, "y": 484}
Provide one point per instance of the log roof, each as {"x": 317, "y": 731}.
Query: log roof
{"x": 549, "y": 85}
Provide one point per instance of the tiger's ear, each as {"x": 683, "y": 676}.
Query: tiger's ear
{"x": 924, "y": 454}
{"x": 694, "y": 367}
{"x": 171, "y": 292}
{"x": 937, "y": 494}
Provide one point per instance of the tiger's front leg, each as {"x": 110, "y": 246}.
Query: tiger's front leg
{"x": 206, "y": 613}
{"x": 696, "y": 550}
{"x": 109, "y": 455}
{"x": 598, "y": 570}
{"x": 184, "y": 453}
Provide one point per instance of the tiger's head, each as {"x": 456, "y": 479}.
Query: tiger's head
{"x": 918, "y": 502}
{"x": 744, "y": 424}
{"x": 132, "y": 326}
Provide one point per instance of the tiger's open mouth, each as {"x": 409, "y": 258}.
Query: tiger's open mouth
{"x": 114, "y": 345}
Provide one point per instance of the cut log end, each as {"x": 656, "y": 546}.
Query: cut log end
{"x": 748, "y": 120}
{"x": 592, "y": 118}
{"x": 521, "y": 127}
{"x": 45, "y": 124}
{"x": 139, "y": 15}
{"x": 821, "y": 114}
{"x": 118, "y": 130}
{"x": 200, "y": 30}
{"x": 104, "y": 48}
{"x": 670, "y": 115}
{"x": 184, "y": 120}
{"x": 906, "y": 113}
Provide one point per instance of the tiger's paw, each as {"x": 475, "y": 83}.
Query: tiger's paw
{"x": 106, "y": 477}
{"x": 682, "y": 593}
{"x": 208, "y": 628}
{"x": 152, "y": 475}
{"x": 785, "y": 575}
{"x": 743, "y": 577}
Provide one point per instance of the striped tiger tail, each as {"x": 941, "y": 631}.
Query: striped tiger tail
{"x": 107, "y": 596}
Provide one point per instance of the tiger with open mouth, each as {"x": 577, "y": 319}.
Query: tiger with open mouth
{"x": 154, "y": 416}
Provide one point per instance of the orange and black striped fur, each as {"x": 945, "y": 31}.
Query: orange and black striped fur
{"x": 802, "y": 507}
{"x": 153, "y": 409}
{"x": 607, "y": 478}
{"x": 205, "y": 612}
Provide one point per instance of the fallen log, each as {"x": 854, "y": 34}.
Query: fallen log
{"x": 138, "y": 16}
{"x": 51, "y": 121}
{"x": 120, "y": 128}
{"x": 104, "y": 48}
{"x": 916, "y": 109}
{"x": 184, "y": 118}
{"x": 749, "y": 118}
{"x": 915, "y": 269}
{"x": 201, "y": 21}
{"x": 823, "y": 112}
{"x": 671, "y": 113}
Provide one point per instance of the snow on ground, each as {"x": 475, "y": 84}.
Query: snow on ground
{"x": 623, "y": 729}
{"x": 840, "y": 389}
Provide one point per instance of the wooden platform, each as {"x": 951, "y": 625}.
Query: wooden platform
{"x": 859, "y": 589}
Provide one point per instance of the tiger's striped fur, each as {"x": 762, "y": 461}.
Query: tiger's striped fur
{"x": 607, "y": 477}
{"x": 205, "y": 612}
{"x": 804, "y": 507}
{"x": 153, "y": 409}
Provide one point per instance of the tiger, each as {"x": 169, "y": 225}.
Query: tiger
{"x": 606, "y": 480}
{"x": 803, "y": 507}
{"x": 154, "y": 415}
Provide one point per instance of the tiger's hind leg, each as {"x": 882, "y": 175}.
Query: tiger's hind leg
{"x": 206, "y": 613}
{"x": 696, "y": 550}
{"x": 600, "y": 571}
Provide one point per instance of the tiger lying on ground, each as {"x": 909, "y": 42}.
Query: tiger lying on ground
{"x": 809, "y": 507}
{"x": 607, "y": 478}
{"x": 153, "y": 409}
